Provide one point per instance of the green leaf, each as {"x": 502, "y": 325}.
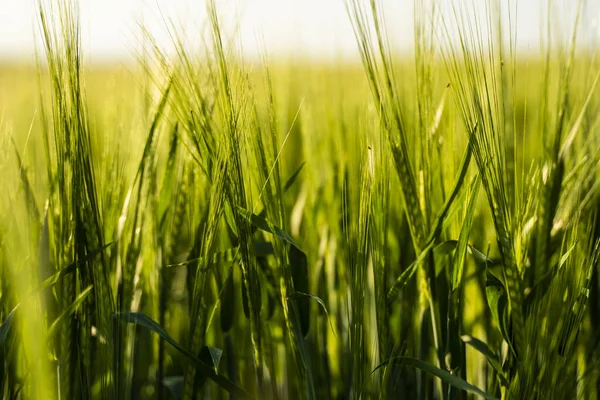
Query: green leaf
{"x": 266, "y": 226}
{"x": 231, "y": 226}
{"x": 445, "y": 248}
{"x": 406, "y": 275}
{"x": 143, "y": 320}
{"x": 463, "y": 239}
{"x": 570, "y": 329}
{"x": 153, "y": 129}
{"x": 442, "y": 250}
{"x": 210, "y": 356}
{"x": 6, "y": 326}
{"x": 489, "y": 354}
{"x": 464, "y": 168}
{"x": 70, "y": 310}
{"x": 448, "y": 246}
{"x": 435, "y": 371}
{"x": 298, "y": 263}
{"x": 263, "y": 213}
{"x": 481, "y": 258}
{"x": 292, "y": 179}
{"x": 296, "y": 295}
{"x": 498, "y": 302}
{"x": 261, "y": 249}
{"x": 566, "y": 255}
{"x": 70, "y": 268}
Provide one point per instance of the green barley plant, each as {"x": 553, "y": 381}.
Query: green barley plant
{"x": 201, "y": 225}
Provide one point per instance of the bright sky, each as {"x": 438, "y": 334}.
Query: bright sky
{"x": 318, "y": 28}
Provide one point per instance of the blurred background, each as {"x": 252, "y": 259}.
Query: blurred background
{"x": 316, "y": 29}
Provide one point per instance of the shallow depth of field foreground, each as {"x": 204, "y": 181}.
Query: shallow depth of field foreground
{"x": 199, "y": 225}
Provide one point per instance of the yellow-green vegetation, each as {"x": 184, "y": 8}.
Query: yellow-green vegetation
{"x": 196, "y": 226}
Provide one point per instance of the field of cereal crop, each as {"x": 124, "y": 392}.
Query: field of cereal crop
{"x": 424, "y": 226}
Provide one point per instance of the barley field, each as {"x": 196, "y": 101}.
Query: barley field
{"x": 196, "y": 225}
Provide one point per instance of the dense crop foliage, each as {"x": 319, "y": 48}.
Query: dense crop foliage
{"x": 200, "y": 227}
